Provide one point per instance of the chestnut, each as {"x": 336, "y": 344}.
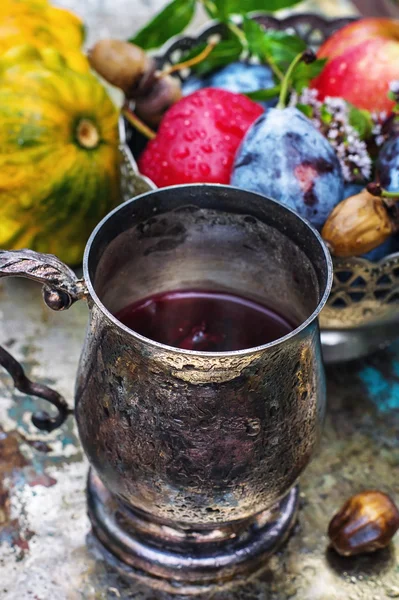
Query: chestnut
{"x": 165, "y": 92}
{"x": 124, "y": 65}
{"x": 366, "y": 522}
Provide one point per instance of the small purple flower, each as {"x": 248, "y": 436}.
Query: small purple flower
{"x": 332, "y": 119}
{"x": 394, "y": 88}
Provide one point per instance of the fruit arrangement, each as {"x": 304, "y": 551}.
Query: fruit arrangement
{"x": 249, "y": 106}
{"x": 59, "y": 143}
{"x": 258, "y": 111}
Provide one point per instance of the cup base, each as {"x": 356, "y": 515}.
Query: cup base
{"x": 181, "y": 561}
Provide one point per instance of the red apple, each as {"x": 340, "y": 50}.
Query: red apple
{"x": 363, "y": 59}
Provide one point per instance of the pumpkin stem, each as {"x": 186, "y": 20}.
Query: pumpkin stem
{"x": 87, "y": 134}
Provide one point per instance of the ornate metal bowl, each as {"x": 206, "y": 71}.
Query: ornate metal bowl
{"x": 362, "y": 313}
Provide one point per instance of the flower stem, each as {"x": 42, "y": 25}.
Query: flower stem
{"x": 391, "y": 195}
{"x": 239, "y": 33}
{"x": 307, "y": 56}
{"x": 377, "y": 190}
{"x": 138, "y": 123}
{"x": 275, "y": 68}
{"x": 282, "y": 103}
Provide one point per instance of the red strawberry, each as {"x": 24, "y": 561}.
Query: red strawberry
{"x": 198, "y": 138}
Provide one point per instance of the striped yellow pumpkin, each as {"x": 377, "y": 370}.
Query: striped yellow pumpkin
{"x": 59, "y": 166}
{"x": 39, "y": 24}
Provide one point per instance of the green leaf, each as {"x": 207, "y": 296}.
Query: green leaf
{"x": 283, "y": 47}
{"x": 305, "y": 109}
{"x": 361, "y": 121}
{"x": 226, "y": 52}
{"x": 243, "y": 7}
{"x": 169, "y": 22}
{"x": 395, "y": 97}
{"x": 222, "y": 9}
{"x": 255, "y": 35}
{"x": 274, "y": 47}
{"x": 211, "y": 8}
{"x": 304, "y": 73}
{"x": 264, "y": 94}
{"x": 325, "y": 115}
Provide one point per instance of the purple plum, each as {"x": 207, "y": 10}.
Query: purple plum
{"x": 387, "y": 167}
{"x": 285, "y": 157}
{"x": 239, "y": 77}
{"x": 192, "y": 84}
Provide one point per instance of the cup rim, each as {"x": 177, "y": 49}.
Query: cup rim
{"x": 203, "y": 354}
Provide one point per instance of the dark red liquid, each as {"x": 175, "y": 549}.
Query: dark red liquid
{"x": 204, "y": 321}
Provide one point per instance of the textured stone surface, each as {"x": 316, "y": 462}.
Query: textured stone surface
{"x": 44, "y": 549}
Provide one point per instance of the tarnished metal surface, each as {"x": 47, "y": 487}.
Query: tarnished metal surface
{"x": 193, "y": 562}
{"x": 201, "y": 440}
{"x": 61, "y": 287}
{"x": 208, "y": 455}
{"x": 43, "y": 549}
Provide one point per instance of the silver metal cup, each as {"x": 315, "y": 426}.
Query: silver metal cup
{"x": 195, "y": 455}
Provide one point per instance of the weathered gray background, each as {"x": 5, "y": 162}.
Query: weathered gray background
{"x": 121, "y": 18}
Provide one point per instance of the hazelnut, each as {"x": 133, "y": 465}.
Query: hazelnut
{"x": 366, "y": 523}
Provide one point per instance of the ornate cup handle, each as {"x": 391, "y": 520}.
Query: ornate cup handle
{"x": 61, "y": 288}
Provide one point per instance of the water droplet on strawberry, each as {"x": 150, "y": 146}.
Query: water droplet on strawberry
{"x": 181, "y": 152}
{"x": 197, "y": 101}
{"x": 189, "y": 135}
{"x": 204, "y": 169}
{"x": 170, "y": 133}
{"x": 207, "y": 148}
